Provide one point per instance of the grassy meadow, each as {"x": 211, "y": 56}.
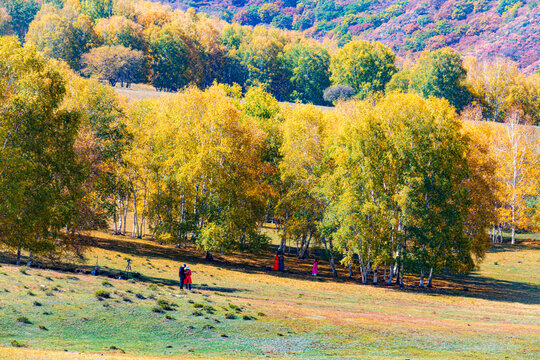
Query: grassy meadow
{"x": 239, "y": 310}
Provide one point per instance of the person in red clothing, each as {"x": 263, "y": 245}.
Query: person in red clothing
{"x": 187, "y": 279}
{"x": 276, "y": 263}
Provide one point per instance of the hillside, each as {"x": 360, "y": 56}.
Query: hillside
{"x": 239, "y": 310}
{"x": 473, "y": 27}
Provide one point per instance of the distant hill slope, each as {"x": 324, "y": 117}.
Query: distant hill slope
{"x": 510, "y": 28}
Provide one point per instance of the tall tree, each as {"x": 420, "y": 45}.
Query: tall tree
{"x": 114, "y": 64}
{"x": 441, "y": 74}
{"x": 366, "y": 67}
{"x": 310, "y": 73}
{"x": 38, "y": 167}
{"x": 21, "y": 12}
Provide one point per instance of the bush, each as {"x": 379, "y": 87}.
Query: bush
{"x": 209, "y": 309}
{"x": 37, "y": 303}
{"x": 248, "y": 317}
{"x": 338, "y": 92}
{"x": 230, "y": 316}
{"x": 106, "y": 283}
{"x": 15, "y": 343}
{"x": 165, "y": 305}
{"x": 157, "y": 309}
{"x": 102, "y": 294}
{"x": 198, "y": 305}
{"x": 23, "y": 320}
{"x": 140, "y": 296}
{"x": 42, "y": 327}
{"x": 197, "y": 313}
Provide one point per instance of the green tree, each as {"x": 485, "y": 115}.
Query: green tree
{"x": 263, "y": 58}
{"x": 172, "y": 57}
{"x": 38, "y": 166}
{"x": 61, "y": 34}
{"x": 97, "y": 9}
{"x": 402, "y": 194}
{"x": 366, "y": 67}
{"x": 22, "y": 12}
{"x": 441, "y": 74}
{"x": 310, "y": 75}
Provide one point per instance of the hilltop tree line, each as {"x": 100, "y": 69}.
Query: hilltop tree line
{"x": 126, "y": 41}
{"x": 389, "y": 185}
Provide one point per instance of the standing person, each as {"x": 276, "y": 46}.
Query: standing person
{"x": 276, "y": 263}
{"x": 281, "y": 262}
{"x": 182, "y": 275}
{"x": 315, "y": 270}
{"x": 187, "y": 280}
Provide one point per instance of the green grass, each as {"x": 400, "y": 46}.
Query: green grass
{"x": 492, "y": 313}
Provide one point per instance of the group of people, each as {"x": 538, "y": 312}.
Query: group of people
{"x": 279, "y": 264}
{"x": 185, "y": 277}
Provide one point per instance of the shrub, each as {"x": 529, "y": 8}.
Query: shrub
{"x": 106, "y": 283}
{"x": 197, "y": 313}
{"x": 102, "y": 294}
{"x": 23, "y": 320}
{"x": 22, "y": 270}
{"x": 230, "y": 316}
{"x": 42, "y": 327}
{"x": 15, "y": 343}
{"x": 165, "y": 305}
{"x": 140, "y": 296}
{"x": 169, "y": 317}
{"x": 198, "y": 305}
{"x": 209, "y": 309}
{"x": 338, "y": 92}
{"x": 248, "y": 317}
{"x": 157, "y": 309}
{"x": 153, "y": 287}
{"x": 37, "y": 303}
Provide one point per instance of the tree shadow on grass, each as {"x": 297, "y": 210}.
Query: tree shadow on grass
{"x": 483, "y": 287}
{"x": 470, "y": 285}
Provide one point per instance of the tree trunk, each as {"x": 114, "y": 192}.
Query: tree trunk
{"x": 124, "y": 224}
{"x": 421, "y": 278}
{"x": 350, "y": 271}
{"x": 29, "y": 262}
{"x": 18, "y": 256}
{"x": 390, "y": 275}
{"x": 400, "y": 275}
{"x": 375, "y": 279}
{"x": 363, "y": 273}
{"x": 328, "y": 246}
{"x": 430, "y": 278}
{"x": 115, "y": 220}
{"x": 135, "y": 230}
{"x": 513, "y": 233}
{"x": 305, "y": 246}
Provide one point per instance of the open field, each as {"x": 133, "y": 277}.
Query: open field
{"x": 239, "y": 310}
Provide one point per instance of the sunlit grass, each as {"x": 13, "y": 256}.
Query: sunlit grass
{"x": 490, "y": 314}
